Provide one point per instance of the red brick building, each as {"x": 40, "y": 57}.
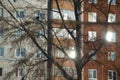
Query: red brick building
{"x": 100, "y": 24}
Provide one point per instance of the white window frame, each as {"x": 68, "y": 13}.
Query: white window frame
{"x": 92, "y": 35}
{"x": 93, "y": 1}
{"x": 111, "y": 76}
{"x": 112, "y": 3}
{"x": 111, "y": 36}
{"x": 92, "y": 17}
{"x": 20, "y": 55}
{"x": 111, "y": 56}
{"x": 111, "y": 18}
{"x": 91, "y": 75}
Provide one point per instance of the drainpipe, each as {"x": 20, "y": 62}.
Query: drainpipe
{"x": 49, "y": 45}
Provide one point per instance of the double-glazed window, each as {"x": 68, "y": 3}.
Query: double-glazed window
{"x": 66, "y": 14}
{"x": 20, "y": 52}
{"x": 92, "y": 17}
{"x": 92, "y": 35}
{"x": 110, "y": 36}
{"x": 112, "y": 75}
{"x": 20, "y": 13}
{"x": 111, "y": 18}
{"x": 111, "y": 56}
{"x": 92, "y": 74}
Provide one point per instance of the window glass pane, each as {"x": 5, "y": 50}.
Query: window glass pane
{"x": 22, "y": 52}
{"x": 41, "y": 16}
{"x": 113, "y": 56}
{"x": 110, "y": 74}
{"x": 0, "y": 71}
{"x": 94, "y": 74}
{"x": 18, "y": 52}
{"x": 1, "y": 51}
{"x": 1, "y": 31}
{"x": 90, "y": 74}
{"x": 1, "y": 12}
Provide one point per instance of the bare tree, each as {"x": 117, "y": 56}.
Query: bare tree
{"x": 36, "y": 34}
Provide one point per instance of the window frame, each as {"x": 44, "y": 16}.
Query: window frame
{"x": 92, "y": 17}
{"x": 111, "y": 56}
{"x": 20, "y": 52}
{"x": 1, "y": 51}
{"x": 20, "y": 13}
{"x": 111, "y": 18}
{"x": 113, "y": 37}
{"x": 112, "y": 74}
{"x": 92, "y": 36}
{"x": 91, "y": 75}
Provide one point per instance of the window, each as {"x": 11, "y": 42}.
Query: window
{"x": 61, "y": 33}
{"x": 39, "y": 15}
{"x": 112, "y": 75}
{"x": 20, "y": 72}
{"x": 40, "y": 54}
{"x": 111, "y": 18}
{"x": 93, "y": 1}
{"x": 14, "y": 0}
{"x": 1, "y": 12}
{"x": 92, "y": 35}
{"x": 112, "y": 2}
{"x": 1, "y": 31}
{"x": 1, "y": 51}
{"x": 111, "y": 56}
{"x": 1, "y": 71}
{"x": 20, "y": 13}
{"x": 92, "y": 17}
{"x": 20, "y": 52}
{"x": 67, "y": 14}
{"x": 94, "y": 57}
{"x": 111, "y": 36}
{"x": 92, "y": 74}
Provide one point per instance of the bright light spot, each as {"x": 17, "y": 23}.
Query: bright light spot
{"x": 72, "y": 54}
{"x": 109, "y": 36}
